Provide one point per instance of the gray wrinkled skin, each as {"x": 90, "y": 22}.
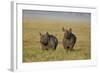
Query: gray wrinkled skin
{"x": 69, "y": 39}
{"x": 48, "y": 41}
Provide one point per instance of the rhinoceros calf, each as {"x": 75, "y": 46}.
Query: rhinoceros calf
{"x": 69, "y": 39}
{"x": 48, "y": 41}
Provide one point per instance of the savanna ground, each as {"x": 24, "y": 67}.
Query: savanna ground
{"x": 32, "y": 51}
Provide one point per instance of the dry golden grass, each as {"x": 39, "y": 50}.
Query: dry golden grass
{"x": 32, "y": 51}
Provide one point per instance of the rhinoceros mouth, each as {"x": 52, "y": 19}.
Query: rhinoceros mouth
{"x": 67, "y": 46}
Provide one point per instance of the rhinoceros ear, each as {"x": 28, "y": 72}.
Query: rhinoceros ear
{"x": 70, "y": 29}
{"x": 47, "y": 33}
{"x": 40, "y": 33}
{"x": 63, "y": 29}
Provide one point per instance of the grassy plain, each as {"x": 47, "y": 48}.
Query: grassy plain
{"x": 32, "y": 51}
